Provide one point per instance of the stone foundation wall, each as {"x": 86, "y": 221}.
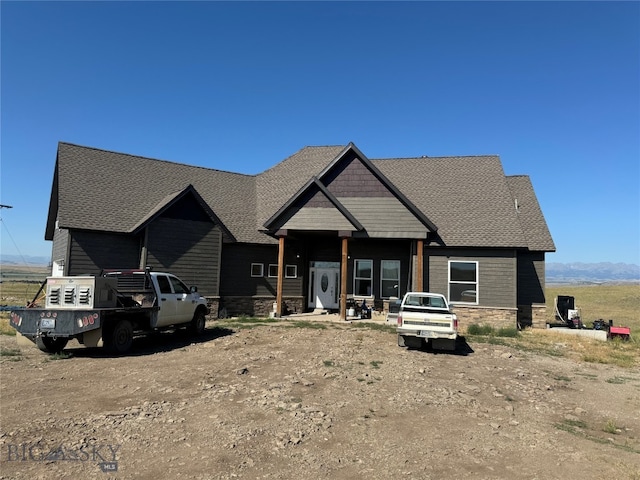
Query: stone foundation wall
{"x": 496, "y": 317}
{"x": 534, "y": 316}
{"x": 214, "y": 305}
{"x": 256, "y": 306}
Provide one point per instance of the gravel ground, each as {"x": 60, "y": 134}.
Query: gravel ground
{"x": 335, "y": 401}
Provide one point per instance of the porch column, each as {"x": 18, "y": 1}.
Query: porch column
{"x": 420, "y": 266}
{"x": 343, "y": 279}
{"x": 280, "y": 276}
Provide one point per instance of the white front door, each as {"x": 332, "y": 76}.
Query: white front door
{"x": 326, "y": 291}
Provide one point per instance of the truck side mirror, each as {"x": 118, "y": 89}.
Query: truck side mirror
{"x": 193, "y": 289}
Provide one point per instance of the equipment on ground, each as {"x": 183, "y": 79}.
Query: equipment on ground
{"x": 567, "y": 312}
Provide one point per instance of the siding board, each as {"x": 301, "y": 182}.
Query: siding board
{"x": 497, "y": 272}
{"x": 314, "y": 218}
{"x": 531, "y": 278}
{"x": 354, "y": 179}
{"x": 236, "y": 271}
{"x": 378, "y": 250}
{"x": 91, "y": 252}
{"x": 384, "y": 217}
{"x": 187, "y": 248}
{"x": 60, "y": 246}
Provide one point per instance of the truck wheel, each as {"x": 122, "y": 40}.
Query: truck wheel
{"x": 198, "y": 323}
{"x": 51, "y": 345}
{"x": 120, "y": 338}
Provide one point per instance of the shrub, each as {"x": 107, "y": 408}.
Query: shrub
{"x": 489, "y": 331}
{"x": 477, "y": 329}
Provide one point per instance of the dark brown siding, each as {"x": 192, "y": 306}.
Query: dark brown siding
{"x": 60, "y": 245}
{"x": 324, "y": 249}
{"x": 355, "y": 180}
{"x": 378, "y": 251}
{"x": 531, "y": 281}
{"x": 236, "y": 271}
{"x": 316, "y": 199}
{"x": 190, "y": 249}
{"x": 91, "y": 252}
{"x": 497, "y": 272}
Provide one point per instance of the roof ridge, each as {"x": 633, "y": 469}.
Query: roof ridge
{"x": 488, "y": 155}
{"x": 154, "y": 159}
{"x": 273, "y": 167}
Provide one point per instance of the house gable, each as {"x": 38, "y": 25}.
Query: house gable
{"x": 316, "y": 210}
{"x": 107, "y": 191}
{"x": 350, "y": 194}
{"x": 186, "y": 204}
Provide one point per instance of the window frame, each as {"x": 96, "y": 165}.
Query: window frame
{"x": 255, "y": 275}
{"x": 164, "y": 284}
{"x": 397, "y": 280}
{"x": 356, "y": 278}
{"x": 295, "y": 271}
{"x": 271, "y": 265}
{"x": 475, "y": 283}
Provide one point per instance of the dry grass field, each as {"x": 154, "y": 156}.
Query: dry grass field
{"x": 620, "y": 303}
{"x": 23, "y": 273}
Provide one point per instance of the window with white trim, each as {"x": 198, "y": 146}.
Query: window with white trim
{"x": 291, "y": 271}
{"x": 389, "y": 278}
{"x": 273, "y": 269}
{"x": 363, "y": 278}
{"x": 463, "y": 282}
{"x": 257, "y": 270}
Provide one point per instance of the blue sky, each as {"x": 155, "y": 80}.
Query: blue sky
{"x": 551, "y": 87}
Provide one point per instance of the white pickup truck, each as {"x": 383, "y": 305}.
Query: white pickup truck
{"x": 107, "y": 310}
{"x": 426, "y": 318}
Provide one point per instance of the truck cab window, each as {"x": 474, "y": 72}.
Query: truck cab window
{"x": 178, "y": 286}
{"x": 163, "y": 283}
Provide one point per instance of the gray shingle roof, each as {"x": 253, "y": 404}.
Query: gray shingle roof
{"x": 109, "y": 191}
{"x": 276, "y": 185}
{"x": 530, "y": 215}
{"x": 469, "y": 199}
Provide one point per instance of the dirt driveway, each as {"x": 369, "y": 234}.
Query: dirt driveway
{"x": 284, "y": 401}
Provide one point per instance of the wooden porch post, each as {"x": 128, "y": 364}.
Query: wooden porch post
{"x": 420, "y": 266}
{"x": 343, "y": 279}
{"x": 280, "y": 276}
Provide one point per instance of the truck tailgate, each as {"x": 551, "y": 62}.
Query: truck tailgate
{"x": 420, "y": 320}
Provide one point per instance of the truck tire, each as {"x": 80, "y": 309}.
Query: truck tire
{"x": 198, "y": 323}
{"x": 51, "y": 345}
{"x": 119, "y": 339}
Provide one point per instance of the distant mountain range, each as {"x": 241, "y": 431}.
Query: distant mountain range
{"x": 556, "y": 272}
{"x": 604, "y": 272}
{"x": 24, "y": 261}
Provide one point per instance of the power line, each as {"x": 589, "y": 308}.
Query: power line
{"x": 4, "y": 224}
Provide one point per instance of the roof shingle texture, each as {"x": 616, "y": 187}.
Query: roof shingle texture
{"x": 469, "y": 198}
{"x": 108, "y": 191}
